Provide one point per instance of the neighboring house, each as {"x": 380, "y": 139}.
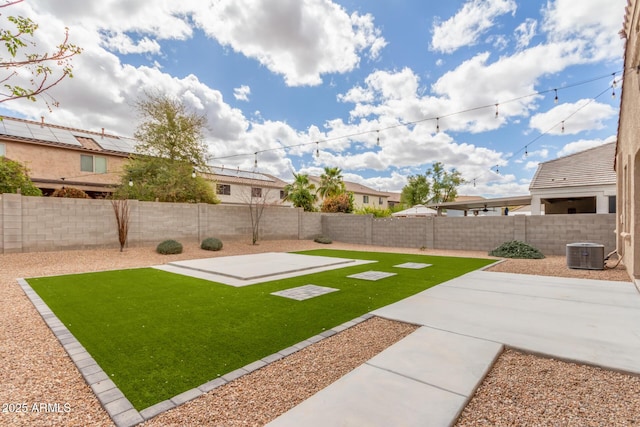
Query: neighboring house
{"x": 627, "y": 160}
{"x": 242, "y": 187}
{"x": 92, "y": 161}
{"x": 393, "y": 199}
{"x": 57, "y": 156}
{"x": 583, "y": 182}
{"x": 362, "y": 196}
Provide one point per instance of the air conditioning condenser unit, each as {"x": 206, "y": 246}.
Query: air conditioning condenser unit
{"x": 586, "y": 256}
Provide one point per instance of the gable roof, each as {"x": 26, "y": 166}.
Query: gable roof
{"x": 586, "y": 168}
{"x": 224, "y": 175}
{"x": 354, "y": 187}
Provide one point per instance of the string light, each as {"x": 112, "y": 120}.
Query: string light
{"x": 378, "y": 138}
{"x": 526, "y": 153}
{"x": 562, "y": 130}
{"x": 613, "y": 86}
{"x": 317, "y": 149}
{"x": 193, "y": 174}
{"x": 405, "y": 124}
{"x": 255, "y": 160}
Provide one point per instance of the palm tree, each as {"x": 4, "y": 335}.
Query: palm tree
{"x": 300, "y": 192}
{"x": 331, "y": 183}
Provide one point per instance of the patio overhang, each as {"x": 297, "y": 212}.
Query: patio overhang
{"x": 480, "y": 204}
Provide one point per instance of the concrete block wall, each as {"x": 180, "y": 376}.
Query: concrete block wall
{"x": 473, "y": 233}
{"x": 552, "y": 233}
{"x": 279, "y": 223}
{"x": 50, "y": 224}
{"x": 549, "y": 233}
{"x": 410, "y": 232}
{"x": 310, "y": 225}
{"x": 29, "y": 224}
{"x": 153, "y": 222}
{"x": 11, "y": 223}
{"x": 1, "y": 224}
{"x": 347, "y": 228}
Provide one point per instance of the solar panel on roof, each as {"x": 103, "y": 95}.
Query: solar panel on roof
{"x": 115, "y": 144}
{"x": 17, "y": 129}
{"x": 241, "y": 174}
{"x": 64, "y": 136}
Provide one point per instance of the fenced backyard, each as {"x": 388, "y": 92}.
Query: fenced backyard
{"x": 35, "y": 224}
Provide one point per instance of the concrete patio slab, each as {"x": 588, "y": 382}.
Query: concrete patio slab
{"x": 244, "y": 270}
{"x": 588, "y": 321}
{"x": 427, "y": 378}
{"x": 370, "y": 396}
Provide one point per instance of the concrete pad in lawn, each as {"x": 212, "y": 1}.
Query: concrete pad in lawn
{"x": 243, "y": 270}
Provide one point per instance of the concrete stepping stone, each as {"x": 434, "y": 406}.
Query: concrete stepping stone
{"x": 413, "y": 265}
{"x": 372, "y": 275}
{"x": 301, "y": 293}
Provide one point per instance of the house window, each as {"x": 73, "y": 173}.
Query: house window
{"x": 256, "y": 192}
{"x": 282, "y": 194}
{"x": 3, "y": 150}
{"x": 95, "y": 164}
{"x": 612, "y": 204}
{"x": 365, "y": 199}
{"x": 379, "y": 200}
{"x": 223, "y": 189}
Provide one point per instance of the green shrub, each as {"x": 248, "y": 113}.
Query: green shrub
{"x": 516, "y": 249}
{"x": 376, "y": 212}
{"x": 323, "y": 239}
{"x": 70, "y": 193}
{"x": 211, "y": 244}
{"x": 169, "y": 247}
{"x": 340, "y": 203}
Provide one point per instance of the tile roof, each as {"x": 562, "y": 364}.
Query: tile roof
{"x": 354, "y": 187}
{"x": 586, "y": 168}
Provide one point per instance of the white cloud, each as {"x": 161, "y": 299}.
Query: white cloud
{"x": 581, "y": 116}
{"x": 242, "y": 93}
{"x": 592, "y": 20}
{"x": 122, "y": 43}
{"x": 465, "y": 27}
{"x": 531, "y": 165}
{"x": 499, "y": 41}
{"x": 583, "y": 144}
{"x": 525, "y": 32}
{"x": 299, "y": 40}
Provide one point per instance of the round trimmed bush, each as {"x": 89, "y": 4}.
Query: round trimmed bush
{"x": 169, "y": 247}
{"x": 516, "y": 249}
{"x": 70, "y": 193}
{"x": 211, "y": 244}
{"x": 323, "y": 239}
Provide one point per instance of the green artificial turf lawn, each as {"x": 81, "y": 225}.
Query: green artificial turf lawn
{"x": 158, "y": 334}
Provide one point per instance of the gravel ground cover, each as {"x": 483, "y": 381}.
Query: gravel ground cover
{"x": 39, "y": 384}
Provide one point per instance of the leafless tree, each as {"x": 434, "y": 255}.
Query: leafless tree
{"x": 121, "y": 210}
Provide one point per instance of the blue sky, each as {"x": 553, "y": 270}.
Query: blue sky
{"x": 276, "y": 76}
